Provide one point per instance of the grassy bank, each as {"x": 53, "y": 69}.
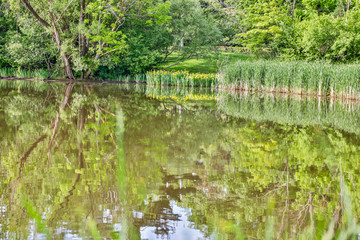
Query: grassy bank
{"x": 208, "y": 64}
{"x": 321, "y": 79}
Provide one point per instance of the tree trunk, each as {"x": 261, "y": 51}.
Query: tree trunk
{"x": 63, "y": 55}
{"x": 82, "y": 36}
{"x": 55, "y": 34}
{"x": 293, "y": 9}
{"x": 34, "y": 13}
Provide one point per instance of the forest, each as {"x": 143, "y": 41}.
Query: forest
{"x": 104, "y": 38}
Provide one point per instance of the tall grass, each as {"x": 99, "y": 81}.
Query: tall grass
{"x": 315, "y": 78}
{"x": 181, "y": 79}
{"x": 24, "y": 73}
{"x": 138, "y": 78}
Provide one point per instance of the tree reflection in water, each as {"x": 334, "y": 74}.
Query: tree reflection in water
{"x": 207, "y": 171}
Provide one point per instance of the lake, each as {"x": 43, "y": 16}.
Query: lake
{"x": 113, "y": 161}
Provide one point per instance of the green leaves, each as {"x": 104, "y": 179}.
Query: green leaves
{"x": 263, "y": 21}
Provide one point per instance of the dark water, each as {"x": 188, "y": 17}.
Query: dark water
{"x": 125, "y": 162}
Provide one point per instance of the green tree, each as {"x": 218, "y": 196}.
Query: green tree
{"x": 84, "y": 32}
{"x": 7, "y": 24}
{"x": 266, "y": 22}
{"x": 192, "y": 32}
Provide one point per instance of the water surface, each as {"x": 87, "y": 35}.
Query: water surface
{"x": 132, "y": 162}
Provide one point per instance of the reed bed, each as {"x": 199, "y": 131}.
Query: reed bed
{"x": 40, "y": 74}
{"x": 139, "y": 78}
{"x": 299, "y": 77}
{"x": 181, "y": 79}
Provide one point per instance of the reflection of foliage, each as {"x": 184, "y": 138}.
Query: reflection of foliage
{"x": 299, "y": 166}
{"x": 181, "y": 79}
{"x": 72, "y": 166}
{"x": 225, "y": 169}
{"x": 292, "y": 110}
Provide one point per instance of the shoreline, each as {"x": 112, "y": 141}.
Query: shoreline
{"x": 229, "y": 89}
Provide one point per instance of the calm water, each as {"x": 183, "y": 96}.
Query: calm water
{"x": 125, "y": 162}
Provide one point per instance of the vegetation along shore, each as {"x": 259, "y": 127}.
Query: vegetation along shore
{"x": 300, "y": 47}
{"x": 294, "y": 77}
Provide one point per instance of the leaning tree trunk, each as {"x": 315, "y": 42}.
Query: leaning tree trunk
{"x": 63, "y": 55}
{"x": 54, "y": 32}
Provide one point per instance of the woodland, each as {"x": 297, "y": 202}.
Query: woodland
{"x": 101, "y": 38}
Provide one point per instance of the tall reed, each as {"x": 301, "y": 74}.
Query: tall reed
{"x": 24, "y": 73}
{"x": 306, "y": 78}
{"x": 181, "y": 79}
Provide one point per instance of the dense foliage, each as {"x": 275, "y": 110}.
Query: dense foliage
{"x": 80, "y": 38}
{"x": 119, "y": 37}
{"x": 327, "y": 29}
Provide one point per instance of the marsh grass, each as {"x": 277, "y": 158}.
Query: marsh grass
{"x": 344, "y": 227}
{"x": 92, "y": 227}
{"x": 299, "y": 77}
{"x": 181, "y": 79}
{"x": 40, "y": 74}
{"x": 138, "y": 78}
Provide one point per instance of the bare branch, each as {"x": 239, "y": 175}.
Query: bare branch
{"x": 357, "y": 4}
{"x": 62, "y": 13}
{"x": 348, "y": 5}
{"x": 342, "y": 6}
{"x": 108, "y": 52}
{"x": 113, "y": 12}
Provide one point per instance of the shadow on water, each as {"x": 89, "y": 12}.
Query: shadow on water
{"x": 136, "y": 162}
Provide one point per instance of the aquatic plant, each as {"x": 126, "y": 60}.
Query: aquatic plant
{"x": 7, "y": 72}
{"x": 305, "y": 78}
{"x": 181, "y": 78}
{"x": 24, "y": 73}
